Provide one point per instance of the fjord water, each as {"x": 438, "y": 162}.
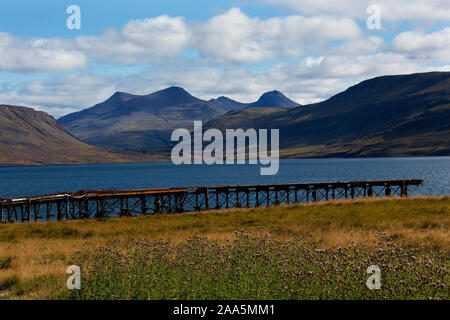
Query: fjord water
{"x": 26, "y": 181}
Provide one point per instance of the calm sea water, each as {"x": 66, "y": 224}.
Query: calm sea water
{"x": 24, "y": 181}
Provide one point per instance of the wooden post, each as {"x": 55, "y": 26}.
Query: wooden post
{"x": 10, "y": 213}
{"x": 248, "y": 197}
{"x": 257, "y": 196}
{"x": 36, "y": 208}
{"x": 48, "y": 211}
{"x": 157, "y": 204}
{"x": 217, "y": 200}
{"x": 58, "y": 211}
{"x": 15, "y": 212}
{"x": 197, "y": 207}
{"x": 182, "y": 202}
{"x": 143, "y": 206}
{"x": 206, "y": 199}
{"x": 227, "y": 198}
{"x": 169, "y": 208}
{"x": 86, "y": 208}
{"x": 29, "y": 210}
{"x": 67, "y": 208}
{"x": 175, "y": 202}
{"x": 370, "y": 193}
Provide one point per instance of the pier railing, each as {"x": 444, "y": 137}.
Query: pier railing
{"x": 104, "y": 203}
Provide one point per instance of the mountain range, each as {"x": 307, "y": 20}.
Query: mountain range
{"x": 401, "y": 115}
{"x": 145, "y": 122}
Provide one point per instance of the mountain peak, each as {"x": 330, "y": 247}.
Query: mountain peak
{"x": 270, "y": 94}
{"x": 269, "y": 99}
{"x": 174, "y": 90}
{"x": 227, "y": 103}
{"x": 173, "y": 96}
{"x": 222, "y": 98}
{"x": 274, "y": 98}
{"x": 120, "y": 96}
{"x": 273, "y": 92}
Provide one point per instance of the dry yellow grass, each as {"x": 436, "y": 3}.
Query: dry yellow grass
{"x": 41, "y": 250}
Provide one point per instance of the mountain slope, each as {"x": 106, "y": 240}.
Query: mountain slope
{"x": 29, "y": 137}
{"x": 385, "y": 116}
{"x": 139, "y": 122}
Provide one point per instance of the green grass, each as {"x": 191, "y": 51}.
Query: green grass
{"x": 259, "y": 267}
{"x": 151, "y": 257}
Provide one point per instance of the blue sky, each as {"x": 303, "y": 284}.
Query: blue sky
{"x": 47, "y": 18}
{"x": 307, "y": 49}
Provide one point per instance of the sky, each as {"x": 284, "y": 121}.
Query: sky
{"x": 307, "y": 49}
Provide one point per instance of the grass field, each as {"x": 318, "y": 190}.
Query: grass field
{"x": 314, "y": 251}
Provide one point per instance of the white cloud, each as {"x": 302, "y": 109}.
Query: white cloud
{"x": 327, "y": 54}
{"x": 433, "y": 46}
{"x": 231, "y": 37}
{"x": 235, "y": 37}
{"x": 59, "y": 96}
{"x": 45, "y": 55}
{"x": 310, "y": 80}
{"x": 367, "y": 45}
{"x": 438, "y": 68}
{"x": 360, "y": 67}
{"x": 138, "y": 41}
{"x": 431, "y": 10}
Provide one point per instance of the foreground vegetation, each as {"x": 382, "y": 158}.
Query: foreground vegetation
{"x": 259, "y": 268}
{"x": 310, "y": 251}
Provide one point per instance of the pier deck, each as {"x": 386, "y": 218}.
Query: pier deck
{"x": 104, "y": 203}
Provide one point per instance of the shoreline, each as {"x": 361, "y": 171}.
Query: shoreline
{"x": 169, "y": 161}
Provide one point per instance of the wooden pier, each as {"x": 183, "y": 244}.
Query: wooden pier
{"x": 104, "y": 203}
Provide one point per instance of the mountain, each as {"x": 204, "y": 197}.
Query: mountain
{"x": 145, "y": 122}
{"x": 139, "y": 122}
{"x": 271, "y": 99}
{"x": 401, "y": 115}
{"x": 245, "y": 118}
{"x": 29, "y": 137}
